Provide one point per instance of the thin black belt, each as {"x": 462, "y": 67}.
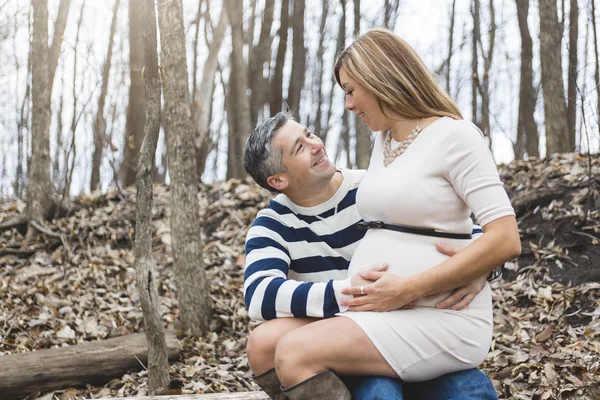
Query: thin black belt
{"x": 412, "y": 229}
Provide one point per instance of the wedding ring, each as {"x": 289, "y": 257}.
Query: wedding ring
{"x": 362, "y": 290}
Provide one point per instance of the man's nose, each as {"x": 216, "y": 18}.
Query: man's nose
{"x": 316, "y": 145}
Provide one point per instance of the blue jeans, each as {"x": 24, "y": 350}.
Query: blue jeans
{"x": 471, "y": 384}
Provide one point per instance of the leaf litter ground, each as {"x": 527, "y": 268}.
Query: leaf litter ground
{"x": 81, "y": 287}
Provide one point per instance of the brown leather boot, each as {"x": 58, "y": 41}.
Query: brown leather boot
{"x": 326, "y": 385}
{"x": 269, "y": 383}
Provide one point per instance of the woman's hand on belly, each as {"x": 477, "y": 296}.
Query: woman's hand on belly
{"x": 357, "y": 280}
{"x": 388, "y": 292}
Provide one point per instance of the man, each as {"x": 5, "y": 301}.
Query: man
{"x": 297, "y": 255}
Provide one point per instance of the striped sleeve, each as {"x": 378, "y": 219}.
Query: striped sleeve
{"x": 269, "y": 293}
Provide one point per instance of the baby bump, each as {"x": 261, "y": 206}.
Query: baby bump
{"x": 406, "y": 254}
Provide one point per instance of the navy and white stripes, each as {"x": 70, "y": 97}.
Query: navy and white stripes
{"x": 297, "y": 258}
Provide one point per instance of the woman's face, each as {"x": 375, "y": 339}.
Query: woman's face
{"x": 363, "y": 103}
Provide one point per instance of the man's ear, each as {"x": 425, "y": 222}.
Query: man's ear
{"x": 278, "y": 181}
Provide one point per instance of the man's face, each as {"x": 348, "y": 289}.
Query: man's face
{"x": 304, "y": 156}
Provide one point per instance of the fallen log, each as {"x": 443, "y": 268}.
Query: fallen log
{"x": 95, "y": 363}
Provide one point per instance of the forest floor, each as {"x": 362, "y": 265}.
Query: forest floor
{"x": 82, "y": 287}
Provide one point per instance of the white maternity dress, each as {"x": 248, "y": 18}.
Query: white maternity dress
{"x": 446, "y": 173}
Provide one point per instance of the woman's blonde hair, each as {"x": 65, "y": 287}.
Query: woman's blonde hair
{"x": 387, "y": 66}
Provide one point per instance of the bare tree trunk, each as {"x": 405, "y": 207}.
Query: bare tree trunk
{"x": 240, "y": 125}
{"x": 158, "y": 364}
{"x": 597, "y": 58}
{"x": 298, "y": 58}
{"x": 203, "y": 105}
{"x": 527, "y": 132}
{"x": 57, "y": 39}
{"x": 249, "y": 35}
{"x": 71, "y": 151}
{"x": 136, "y": 110}
{"x": 40, "y": 193}
{"x": 344, "y": 138}
{"x": 100, "y": 122}
{"x": 474, "y": 60}
{"x": 317, "y": 123}
{"x": 58, "y": 148}
{"x": 363, "y": 133}
{"x": 555, "y": 109}
{"x": 340, "y": 44}
{"x": 572, "y": 79}
{"x": 276, "y": 103}
{"x": 195, "y": 45}
{"x": 450, "y": 45}
{"x": 190, "y": 279}
{"x": 390, "y": 13}
{"x": 258, "y": 57}
{"x": 484, "y": 87}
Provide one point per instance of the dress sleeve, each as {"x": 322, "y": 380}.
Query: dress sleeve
{"x": 269, "y": 293}
{"x": 470, "y": 168}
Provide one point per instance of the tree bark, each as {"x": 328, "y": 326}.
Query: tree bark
{"x": 298, "y": 58}
{"x": 363, "y": 133}
{"x": 57, "y": 39}
{"x": 555, "y": 109}
{"x": 203, "y": 105}
{"x": 100, "y": 122}
{"x": 40, "y": 193}
{"x": 258, "y": 57}
{"x": 597, "y": 58}
{"x": 158, "y": 365}
{"x": 450, "y": 45}
{"x": 136, "y": 110}
{"x": 572, "y": 78}
{"x": 93, "y": 363}
{"x": 484, "y": 87}
{"x": 240, "y": 125}
{"x": 317, "y": 123}
{"x": 390, "y": 13}
{"x": 527, "y": 131}
{"x": 276, "y": 103}
{"x": 474, "y": 61}
{"x": 190, "y": 279}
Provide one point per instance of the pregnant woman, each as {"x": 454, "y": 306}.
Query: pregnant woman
{"x": 429, "y": 170}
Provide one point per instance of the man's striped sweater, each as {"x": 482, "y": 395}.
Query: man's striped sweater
{"x": 297, "y": 258}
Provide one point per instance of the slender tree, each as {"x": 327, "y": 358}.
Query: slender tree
{"x": 276, "y": 103}
{"x": 190, "y": 279}
{"x": 40, "y": 191}
{"x": 136, "y": 109}
{"x": 158, "y": 364}
{"x": 298, "y": 58}
{"x": 484, "y": 83}
{"x": 596, "y": 57}
{"x": 238, "y": 112}
{"x": 555, "y": 109}
{"x": 475, "y": 60}
{"x": 318, "y": 66}
{"x": 450, "y": 45}
{"x": 100, "y": 122}
{"x": 363, "y": 133}
{"x": 204, "y": 97}
{"x": 258, "y": 57}
{"x": 572, "y": 77}
{"x": 527, "y": 131}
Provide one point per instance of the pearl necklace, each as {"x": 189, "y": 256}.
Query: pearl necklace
{"x": 390, "y": 155}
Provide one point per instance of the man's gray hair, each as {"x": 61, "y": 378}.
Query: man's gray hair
{"x": 260, "y": 159}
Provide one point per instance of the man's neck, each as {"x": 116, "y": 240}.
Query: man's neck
{"x": 316, "y": 196}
